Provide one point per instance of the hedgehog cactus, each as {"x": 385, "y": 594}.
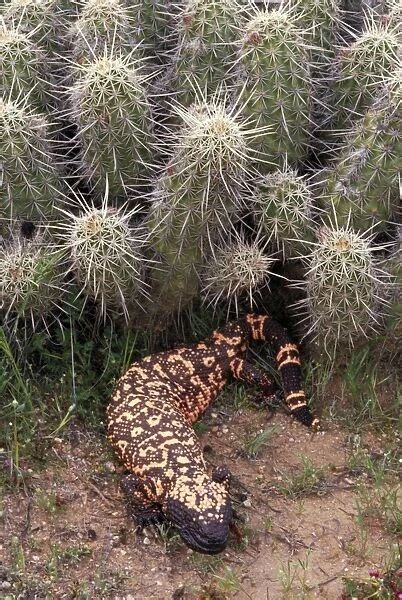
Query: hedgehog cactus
{"x": 346, "y": 289}
{"x": 155, "y": 24}
{"x": 363, "y": 183}
{"x": 206, "y": 49}
{"x": 360, "y": 69}
{"x": 196, "y": 195}
{"x": 30, "y": 182}
{"x": 23, "y": 72}
{"x": 321, "y": 20}
{"x": 236, "y": 271}
{"x": 105, "y": 254}
{"x": 31, "y": 280}
{"x": 102, "y": 24}
{"x": 111, "y": 110}
{"x": 281, "y": 209}
{"x": 43, "y": 20}
{"x": 274, "y": 77}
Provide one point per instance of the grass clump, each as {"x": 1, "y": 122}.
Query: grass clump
{"x": 304, "y": 481}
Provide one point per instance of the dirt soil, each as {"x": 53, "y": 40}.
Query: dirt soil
{"x": 67, "y": 534}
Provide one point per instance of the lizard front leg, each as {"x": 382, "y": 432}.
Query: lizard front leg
{"x": 245, "y": 371}
{"x": 141, "y": 500}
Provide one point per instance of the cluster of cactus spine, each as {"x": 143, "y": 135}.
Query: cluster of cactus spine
{"x": 102, "y": 24}
{"x": 236, "y": 271}
{"x": 30, "y": 185}
{"x": 105, "y": 254}
{"x": 345, "y": 286}
{"x": 206, "y": 48}
{"x": 360, "y": 69}
{"x": 32, "y": 282}
{"x": 43, "y": 20}
{"x": 195, "y": 196}
{"x": 282, "y": 207}
{"x": 363, "y": 183}
{"x": 109, "y": 105}
{"x": 23, "y": 72}
{"x": 274, "y": 80}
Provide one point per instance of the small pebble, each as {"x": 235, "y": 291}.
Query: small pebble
{"x": 247, "y": 503}
{"x": 5, "y": 585}
{"x": 109, "y": 467}
{"x": 146, "y": 541}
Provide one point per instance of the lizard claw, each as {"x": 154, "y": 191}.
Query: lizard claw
{"x": 222, "y": 475}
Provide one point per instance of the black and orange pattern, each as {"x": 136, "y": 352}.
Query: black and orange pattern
{"x": 150, "y": 425}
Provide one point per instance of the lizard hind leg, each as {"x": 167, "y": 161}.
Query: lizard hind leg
{"x": 141, "y": 500}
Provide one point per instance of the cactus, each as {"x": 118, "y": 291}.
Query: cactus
{"x": 32, "y": 285}
{"x": 282, "y": 205}
{"x": 206, "y": 48}
{"x": 274, "y": 77}
{"x": 345, "y": 287}
{"x": 198, "y": 195}
{"x": 363, "y": 183}
{"x": 321, "y": 20}
{"x": 43, "y": 20}
{"x": 155, "y": 25}
{"x": 109, "y": 105}
{"x": 23, "y": 72}
{"x": 105, "y": 254}
{"x": 359, "y": 71}
{"x": 236, "y": 270}
{"x": 102, "y": 24}
{"x": 30, "y": 181}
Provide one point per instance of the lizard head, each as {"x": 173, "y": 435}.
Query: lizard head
{"x": 200, "y": 508}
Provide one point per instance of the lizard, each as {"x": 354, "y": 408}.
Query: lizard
{"x": 150, "y": 417}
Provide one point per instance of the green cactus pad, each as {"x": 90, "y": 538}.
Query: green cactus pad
{"x": 30, "y": 181}
{"x": 23, "y": 68}
{"x": 32, "y": 283}
{"x": 364, "y": 181}
{"x": 206, "y": 49}
{"x": 274, "y": 79}
{"x": 346, "y": 288}
{"x": 236, "y": 272}
{"x": 282, "y": 206}
{"x": 110, "y": 108}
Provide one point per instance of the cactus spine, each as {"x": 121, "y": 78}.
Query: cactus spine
{"x": 206, "y": 48}
{"x": 111, "y": 110}
{"x": 237, "y": 270}
{"x": 102, "y": 24}
{"x": 31, "y": 280}
{"x": 105, "y": 255}
{"x": 345, "y": 288}
{"x": 359, "y": 70}
{"x": 282, "y": 206}
{"x": 275, "y": 81}
{"x": 23, "y": 73}
{"x": 30, "y": 182}
{"x": 363, "y": 183}
{"x": 196, "y": 197}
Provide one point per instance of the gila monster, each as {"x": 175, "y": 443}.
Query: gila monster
{"x": 150, "y": 420}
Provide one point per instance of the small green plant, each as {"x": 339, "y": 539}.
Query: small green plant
{"x": 293, "y": 579}
{"x": 304, "y": 481}
{"x": 254, "y": 444}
